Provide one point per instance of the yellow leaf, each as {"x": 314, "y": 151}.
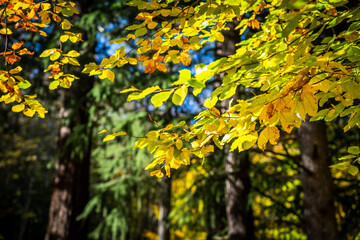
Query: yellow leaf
{"x": 110, "y": 75}
{"x": 210, "y": 102}
{"x": 222, "y": 125}
{"x": 287, "y": 120}
{"x": 105, "y": 62}
{"x": 244, "y": 142}
{"x": 64, "y": 38}
{"x": 184, "y": 58}
{"x": 147, "y": 91}
{"x": 74, "y": 39}
{"x": 109, "y": 138}
{"x": 274, "y": 135}
{"x": 184, "y": 77}
{"x": 55, "y": 56}
{"x": 48, "y": 52}
{"x": 353, "y": 170}
{"x": 310, "y": 104}
{"x": 140, "y": 32}
{"x": 167, "y": 170}
{"x": 66, "y": 25}
{"x": 74, "y": 62}
{"x": 29, "y": 112}
{"x": 219, "y": 37}
{"x": 157, "y": 42}
{"x": 53, "y": 85}
{"x": 179, "y": 144}
{"x": 269, "y": 134}
{"x": 15, "y": 70}
{"x": 132, "y": 61}
{"x": 180, "y": 95}
{"x": 168, "y": 127}
{"x": 152, "y": 25}
{"x": 132, "y": 89}
{"x": 72, "y": 53}
{"x": 289, "y": 60}
{"x": 6, "y": 31}
{"x": 151, "y": 165}
{"x": 57, "y": 9}
{"x": 158, "y": 99}
{"x": 45, "y": 6}
{"x": 18, "y": 108}
{"x": 103, "y": 131}
{"x": 175, "y": 163}
{"x": 157, "y": 173}
{"x": 164, "y": 12}
{"x": 119, "y": 134}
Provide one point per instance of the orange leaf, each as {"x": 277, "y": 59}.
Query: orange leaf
{"x": 142, "y": 58}
{"x": 25, "y": 51}
{"x": 13, "y": 18}
{"x": 12, "y": 58}
{"x": 184, "y": 58}
{"x": 56, "y": 18}
{"x": 7, "y": 53}
{"x": 17, "y": 45}
{"x": 161, "y": 67}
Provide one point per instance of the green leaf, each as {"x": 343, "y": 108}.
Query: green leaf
{"x": 135, "y": 26}
{"x": 140, "y": 32}
{"x": 347, "y": 157}
{"x": 228, "y": 92}
{"x": 179, "y": 95}
{"x": 320, "y": 115}
{"x": 147, "y": 91}
{"x": 353, "y": 170}
{"x": 353, "y": 54}
{"x": 24, "y": 85}
{"x": 196, "y": 84}
{"x": 67, "y": 12}
{"x": 340, "y": 166}
{"x": 354, "y": 150}
{"x": 293, "y": 23}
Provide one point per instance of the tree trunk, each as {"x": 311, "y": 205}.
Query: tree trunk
{"x": 72, "y": 169}
{"x": 237, "y": 189}
{"x": 71, "y": 185}
{"x": 237, "y": 183}
{"x": 163, "y": 228}
{"x": 319, "y": 210}
{"x": 28, "y": 197}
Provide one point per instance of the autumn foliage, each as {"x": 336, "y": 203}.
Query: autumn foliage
{"x": 292, "y": 66}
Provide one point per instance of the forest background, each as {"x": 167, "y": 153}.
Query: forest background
{"x": 60, "y": 179}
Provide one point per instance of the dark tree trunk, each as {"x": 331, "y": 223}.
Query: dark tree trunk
{"x": 237, "y": 183}
{"x": 163, "y": 228}
{"x": 319, "y": 210}
{"x": 72, "y": 169}
{"x": 71, "y": 185}
{"x": 237, "y": 189}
